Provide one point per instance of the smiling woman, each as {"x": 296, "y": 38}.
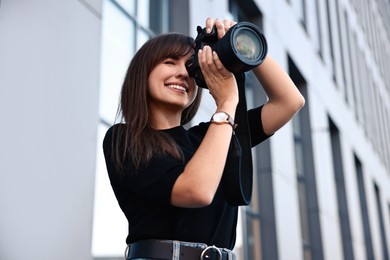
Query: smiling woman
{"x": 171, "y": 90}
{"x": 144, "y": 88}
{"x": 167, "y": 179}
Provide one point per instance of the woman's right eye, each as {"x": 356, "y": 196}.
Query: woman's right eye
{"x": 169, "y": 61}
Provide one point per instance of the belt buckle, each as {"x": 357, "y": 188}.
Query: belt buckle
{"x": 205, "y": 256}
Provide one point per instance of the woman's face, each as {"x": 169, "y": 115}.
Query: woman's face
{"x": 170, "y": 86}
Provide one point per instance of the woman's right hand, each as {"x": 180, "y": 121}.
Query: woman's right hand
{"x": 220, "y": 82}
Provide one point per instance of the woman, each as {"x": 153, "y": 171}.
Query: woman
{"x": 166, "y": 178}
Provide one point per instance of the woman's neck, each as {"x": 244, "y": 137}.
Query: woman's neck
{"x": 164, "y": 119}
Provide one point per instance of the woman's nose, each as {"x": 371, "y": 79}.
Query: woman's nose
{"x": 182, "y": 71}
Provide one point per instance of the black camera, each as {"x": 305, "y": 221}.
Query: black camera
{"x": 242, "y": 48}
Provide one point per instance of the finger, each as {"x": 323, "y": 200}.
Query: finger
{"x": 209, "y": 24}
{"x": 228, "y": 24}
{"x": 208, "y": 57}
{"x": 215, "y": 66}
{"x": 217, "y": 61}
{"x": 212, "y": 61}
{"x": 201, "y": 59}
{"x": 220, "y": 28}
{"x": 204, "y": 59}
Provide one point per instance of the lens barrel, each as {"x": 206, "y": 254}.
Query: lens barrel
{"x": 242, "y": 48}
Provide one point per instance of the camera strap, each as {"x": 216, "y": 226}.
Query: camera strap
{"x": 237, "y": 178}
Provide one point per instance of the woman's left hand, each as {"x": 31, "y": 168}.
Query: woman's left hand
{"x": 222, "y": 26}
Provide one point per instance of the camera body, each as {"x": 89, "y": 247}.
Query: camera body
{"x": 203, "y": 38}
{"x": 242, "y": 48}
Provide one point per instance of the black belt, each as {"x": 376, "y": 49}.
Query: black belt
{"x": 171, "y": 249}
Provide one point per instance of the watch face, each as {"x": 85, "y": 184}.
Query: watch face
{"x": 220, "y": 117}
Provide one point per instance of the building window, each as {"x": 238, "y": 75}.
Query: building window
{"x": 303, "y": 211}
{"x": 306, "y": 183}
{"x": 383, "y": 238}
{"x": 303, "y": 14}
{"x": 388, "y": 206}
{"x": 350, "y": 95}
{"x": 319, "y": 29}
{"x": 341, "y": 45}
{"x": 126, "y": 25}
{"x": 364, "y": 209}
{"x": 330, "y": 35}
{"x": 341, "y": 192}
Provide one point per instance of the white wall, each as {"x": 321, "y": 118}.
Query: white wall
{"x": 49, "y": 81}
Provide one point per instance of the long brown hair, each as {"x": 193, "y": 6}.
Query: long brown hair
{"x": 137, "y": 141}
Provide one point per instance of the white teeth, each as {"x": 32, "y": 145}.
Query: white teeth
{"x": 177, "y": 87}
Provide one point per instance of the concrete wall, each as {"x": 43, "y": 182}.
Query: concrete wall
{"x": 49, "y": 82}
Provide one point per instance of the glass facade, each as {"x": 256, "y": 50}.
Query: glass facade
{"x": 126, "y": 25}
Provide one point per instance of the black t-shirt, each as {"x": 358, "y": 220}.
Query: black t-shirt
{"x": 144, "y": 196}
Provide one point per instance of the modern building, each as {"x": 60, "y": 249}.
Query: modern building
{"x": 321, "y": 183}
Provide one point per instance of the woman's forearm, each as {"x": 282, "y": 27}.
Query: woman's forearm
{"x": 284, "y": 97}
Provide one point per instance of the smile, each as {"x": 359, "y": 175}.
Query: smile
{"x": 178, "y": 87}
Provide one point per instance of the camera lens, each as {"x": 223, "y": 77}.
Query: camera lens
{"x": 247, "y": 44}
{"x": 242, "y": 48}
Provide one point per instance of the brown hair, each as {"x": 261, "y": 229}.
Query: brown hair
{"x": 138, "y": 141}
